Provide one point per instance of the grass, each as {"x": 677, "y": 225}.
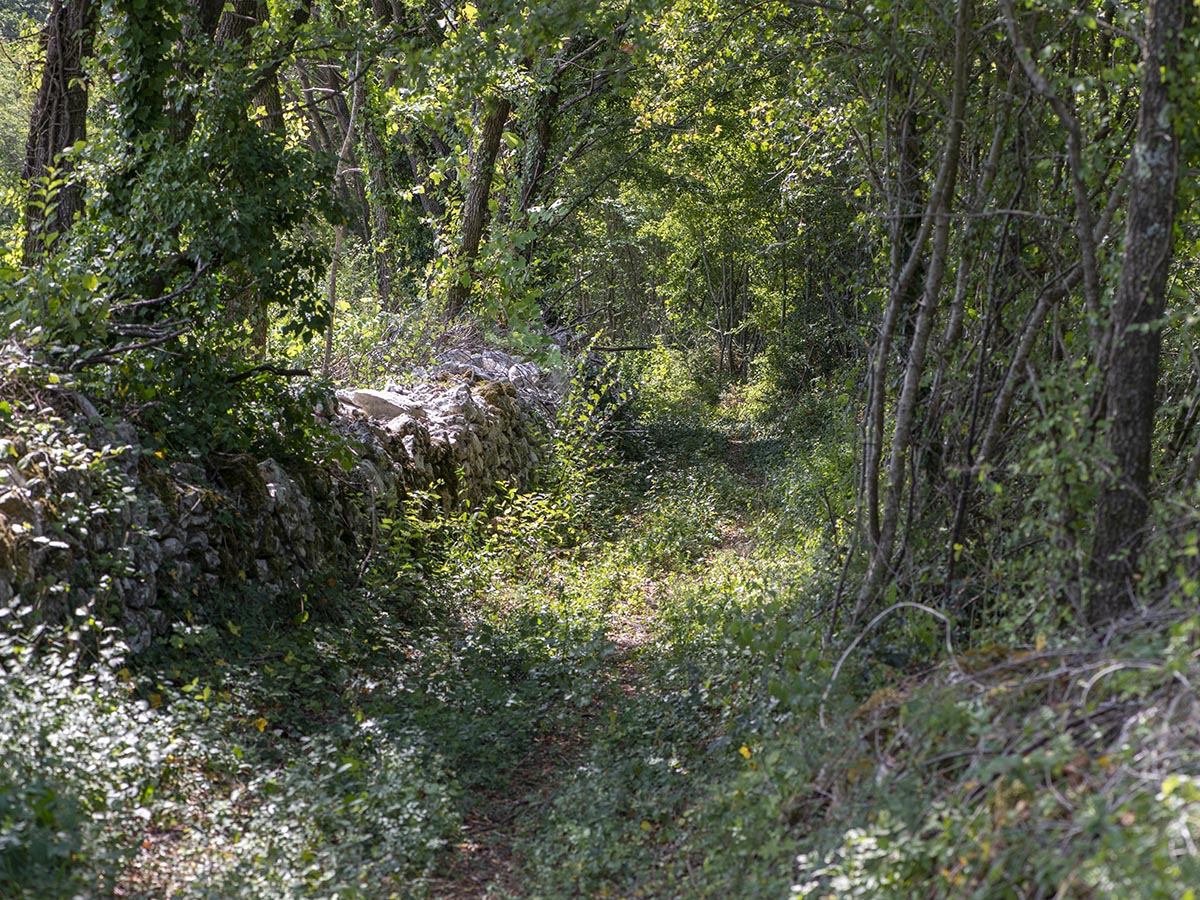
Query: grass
{"x": 584, "y": 651}
{"x": 610, "y": 688}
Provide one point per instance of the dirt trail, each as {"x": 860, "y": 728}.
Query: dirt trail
{"x": 483, "y": 865}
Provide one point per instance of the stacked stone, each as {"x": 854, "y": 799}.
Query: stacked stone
{"x": 184, "y": 530}
{"x": 541, "y": 389}
{"x": 464, "y": 437}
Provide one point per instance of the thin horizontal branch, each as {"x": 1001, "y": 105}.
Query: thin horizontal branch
{"x": 147, "y": 331}
{"x": 269, "y": 369}
{"x": 165, "y": 298}
{"x": 105, "y": 356}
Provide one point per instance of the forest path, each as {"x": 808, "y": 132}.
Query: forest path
{"x": 548, "y": 698}
{"x": 486, "y": 863}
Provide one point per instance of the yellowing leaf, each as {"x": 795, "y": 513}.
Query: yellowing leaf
{"x": 745, "y": 751}
{"x": 470, "y": 12}
{"x": 260, "y": 723}
{"x": 155, "y": 701}
{"x": 1040, "y": 643}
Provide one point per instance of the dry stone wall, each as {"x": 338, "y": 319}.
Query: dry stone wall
{"x": 142, "y": 534}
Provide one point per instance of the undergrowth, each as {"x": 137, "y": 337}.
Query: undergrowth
{"x": 632, "y": 677}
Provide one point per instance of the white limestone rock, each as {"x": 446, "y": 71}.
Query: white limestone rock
{"x": 386, "y": 404}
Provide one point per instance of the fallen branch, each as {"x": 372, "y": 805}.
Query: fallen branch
{"x": 862, "y": 634}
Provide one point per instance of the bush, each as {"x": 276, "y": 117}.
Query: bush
{"x": 79, "y": 757}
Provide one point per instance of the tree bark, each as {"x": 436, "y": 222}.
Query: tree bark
{"x": 1084, "y": 229}
{"x": 940, "y": 202}
{"x": 237, "y": 20}
{"x": 59, "y": 121}
{"x": 379, "y": 198}
{"x": 1131, "y": 377}
{"x": 348, "y": 127}
{"x": 909, "y": 233}
{"x": 475, "y": 207}
{"x": 418, "y": 153}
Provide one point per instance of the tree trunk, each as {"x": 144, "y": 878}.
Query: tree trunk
{"x": 348, "y": 133}
{"x": 475, "y": 207}
{"x": 539, "y": 139}
{"x": 1131, "y": 377}
{"x": 59, "y": 121}
{"x": 379, "y": 197}
{"x": 909, "y": 235}
{"x": 1084, "y": 229}
{"x": 418, "y": 154}
{"x": 242, "y": 301}
{"x": 940, "y": 203}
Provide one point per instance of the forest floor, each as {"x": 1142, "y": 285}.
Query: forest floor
{"x": 622, "y": 686}
{"x": 484, "y": 862}
{"x": 697, "y": 531}
{"x": 602, "y": 689}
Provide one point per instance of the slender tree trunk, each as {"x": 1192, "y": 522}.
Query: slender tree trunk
{"x": 475, "y": 206}
{"x": 907, "y": 261}
{"x": 418, "y": 154}
{"x": 319, "y": 137}
{"x": 1084, "y": 228}
{"x": 339, "y": 235}
{"x": 540, "y": 137}
{"x": 541, "y": 134}
{"x": 1131, "y": 377}
{"x": 349, "y": 128}
{"x": 344, "y": 162}
{"x": 941, "y": 201}
{"x": 379, "y": 197}
{"x": 59, "y": 121}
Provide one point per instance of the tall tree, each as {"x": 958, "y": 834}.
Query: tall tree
{"x": 1131, "y": 377}
{"x": 935, "y": 228}
{"x": 59, "y": 121}
{"x": 475, "y": 205}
